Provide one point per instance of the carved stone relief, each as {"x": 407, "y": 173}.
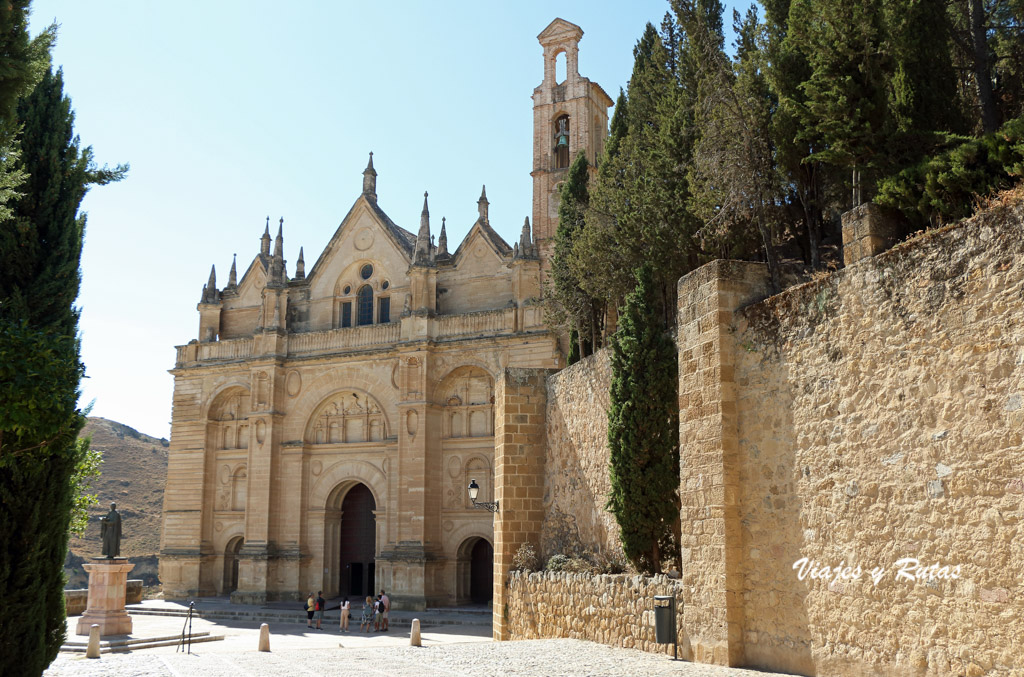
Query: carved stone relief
{"x": 347, "y": 417}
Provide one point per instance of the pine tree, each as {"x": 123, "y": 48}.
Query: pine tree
{"x": 643, "y": 427}
{"x": 40, "y": 370}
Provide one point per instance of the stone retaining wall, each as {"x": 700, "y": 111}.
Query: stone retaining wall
{"x": 870, "y": 416}
{"x": 617, "y": 610}
{"x": 576, "y": 480}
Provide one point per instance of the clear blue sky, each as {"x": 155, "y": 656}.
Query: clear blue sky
{"x": 230, "y": 112}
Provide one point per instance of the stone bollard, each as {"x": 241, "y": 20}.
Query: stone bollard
{"x": 93, "y": 650}
{"x": 264, "y": 637}
{"x": 414, "y": 636}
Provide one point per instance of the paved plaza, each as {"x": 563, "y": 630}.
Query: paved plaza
{"x": 549, "y": 657}
{"x": 448, "y": 650}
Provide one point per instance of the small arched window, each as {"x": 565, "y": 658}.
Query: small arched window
{"x": 365, "y": 305}
{"x": 562, "y": 142}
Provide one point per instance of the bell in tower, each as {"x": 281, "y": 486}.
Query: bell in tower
{"x": 567, "y": 117}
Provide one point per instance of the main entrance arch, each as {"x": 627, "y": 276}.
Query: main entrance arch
{"x": 350, "y": 541}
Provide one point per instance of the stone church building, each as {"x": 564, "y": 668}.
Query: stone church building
{"x": 326, "y": 423}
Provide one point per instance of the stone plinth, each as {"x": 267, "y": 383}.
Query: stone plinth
{"x": 108, "y": 583}
{"x": 868, "y": 230}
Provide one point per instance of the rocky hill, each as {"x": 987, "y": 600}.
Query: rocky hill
{"x": 133, "y": 475}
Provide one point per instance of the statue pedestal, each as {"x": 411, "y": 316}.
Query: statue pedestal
{"x": 108, "y": 582}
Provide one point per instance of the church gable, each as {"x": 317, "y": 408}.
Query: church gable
{"x": 366, "y": 236}
{"x": 481, "y": 252}
{"x": 250, "y": 289}
{"x": 479, "y": 278}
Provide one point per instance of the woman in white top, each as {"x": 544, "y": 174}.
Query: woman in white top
{"x": 344, "y": 615}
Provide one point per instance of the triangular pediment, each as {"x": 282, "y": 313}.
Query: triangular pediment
{"x": 559, "y": 30}
{"x": 481, "y": 244}
{"x": 365, "y": 228}
{"x": 250, "y": 288}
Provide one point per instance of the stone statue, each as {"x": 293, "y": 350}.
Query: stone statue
{"x": 110, "y": 531}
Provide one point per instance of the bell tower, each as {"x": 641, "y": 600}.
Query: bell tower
{"x": 567, "y": 116}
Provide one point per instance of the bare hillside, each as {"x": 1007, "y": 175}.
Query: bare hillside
{"x": 133, "y": 474}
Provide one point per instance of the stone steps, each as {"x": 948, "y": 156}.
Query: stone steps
{"x": 429, "y": 618}
{"x": 134, "y": 644}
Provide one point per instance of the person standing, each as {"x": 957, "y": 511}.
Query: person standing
{"x": 377, "y": 613}
{"x": 345, "y": 608}
{"x": 320, "y": 602}
{"x": 367, "y": 618}
{"x": 310, "y": 603}
{"x": 385, "y": 603}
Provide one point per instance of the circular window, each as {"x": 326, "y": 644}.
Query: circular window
{"x": 385, "y": 284}
{"x": 348, "y": 289}
{"x": 366, "y": 271}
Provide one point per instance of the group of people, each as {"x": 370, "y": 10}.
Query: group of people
{"x": 375, "y": 612}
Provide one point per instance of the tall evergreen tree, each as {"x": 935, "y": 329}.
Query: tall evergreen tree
{"x": 40, "y": 370}
{"x": 570, "y": 307}
{"x": 734, "y": 182}
{"x": 643, "y": 427}
{"x": 638, "y": 206}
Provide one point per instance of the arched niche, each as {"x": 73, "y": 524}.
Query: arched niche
{"x": 347, "y": 417}
{"x": 467, "y": 397}
{"x": 239, "y": 488}
{"x": 478, "y": 468}
{"x": 228, "y": 417}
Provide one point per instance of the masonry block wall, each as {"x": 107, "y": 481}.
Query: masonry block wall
{"x": 519, "y": 441}
{"x": 859, "y": 420}
{"x": 709, "y": 481}
{"x": 576, "y": 479}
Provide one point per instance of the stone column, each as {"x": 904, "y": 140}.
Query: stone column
{"x": 708, "y": 467}
{"x": 254, "y": 566}
{"x": 520, "y": 397}
{"x": 108, "y": 583}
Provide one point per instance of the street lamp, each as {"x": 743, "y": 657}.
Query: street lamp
{"x": 474, "y": 489}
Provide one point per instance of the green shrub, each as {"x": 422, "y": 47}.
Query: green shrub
{"x": 946, "y": 186}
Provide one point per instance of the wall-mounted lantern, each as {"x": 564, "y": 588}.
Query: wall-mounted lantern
{"x": 474, "y": 490}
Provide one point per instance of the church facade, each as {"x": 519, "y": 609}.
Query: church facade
{"x": 325, "y": 426}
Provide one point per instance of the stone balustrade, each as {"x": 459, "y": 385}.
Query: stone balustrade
{"x": 343, "y": 339}
{"x": 481, "y": 323}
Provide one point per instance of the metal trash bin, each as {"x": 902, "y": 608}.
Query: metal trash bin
{"x": 665, "y": 621}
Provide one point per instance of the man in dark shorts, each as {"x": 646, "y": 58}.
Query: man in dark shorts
{"x": 319, "y": 604}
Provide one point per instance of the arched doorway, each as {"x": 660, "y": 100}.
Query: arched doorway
{"x": 349, "y": 557}
{"x": 475, "y": 571}
{"x": 481, "y": 572}
{"x": 230, "y": 583}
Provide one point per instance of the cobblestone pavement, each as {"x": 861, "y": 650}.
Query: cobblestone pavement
{"x": 549, "y": 658}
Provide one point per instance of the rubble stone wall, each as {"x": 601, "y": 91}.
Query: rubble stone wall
{"x": 880, "y": 414}
{"x": 576, "y": 480}
{"x": 617, "y": 610}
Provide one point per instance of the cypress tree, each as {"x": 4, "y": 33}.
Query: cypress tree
{"x": 643, "y": 427}
{"x": 638, "y": 205}
{"x": 571, "y": 307}
{"x": 40, "y": 370}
